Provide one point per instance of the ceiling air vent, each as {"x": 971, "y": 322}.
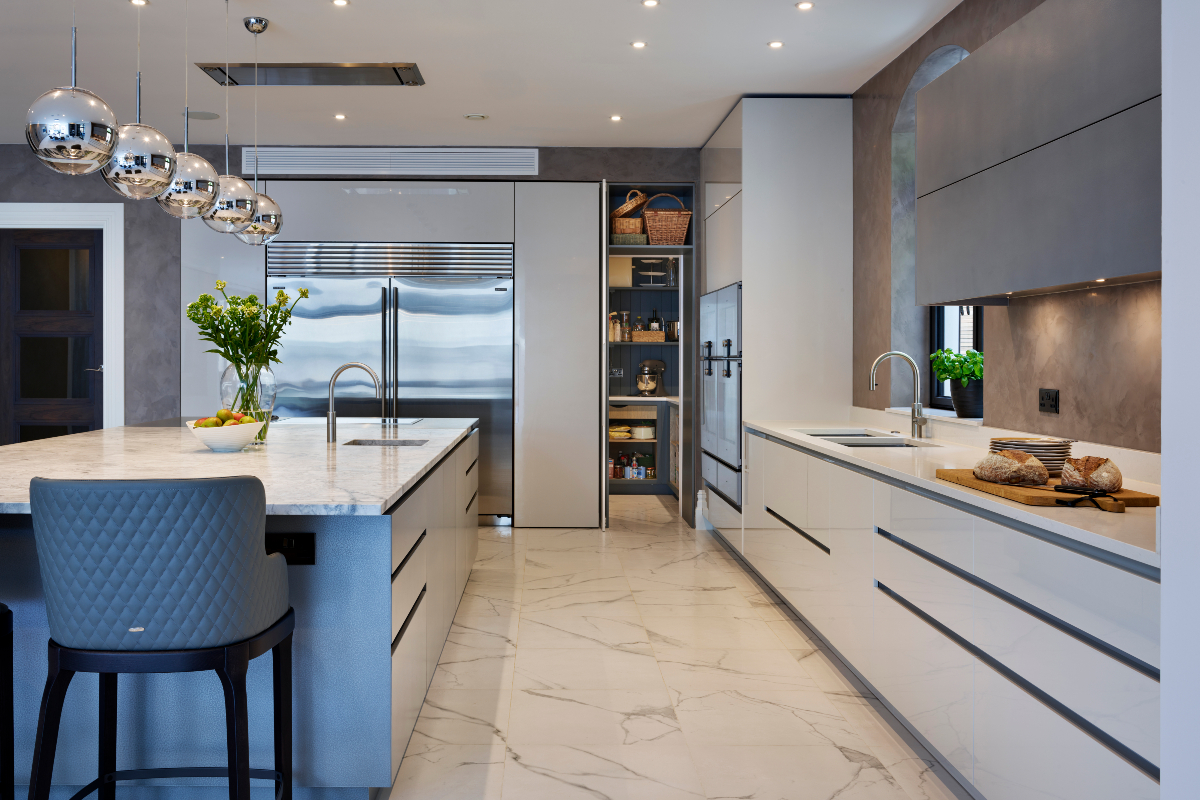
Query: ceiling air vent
{"x": 391, "y": 161}
{"x": 398, "y": 74}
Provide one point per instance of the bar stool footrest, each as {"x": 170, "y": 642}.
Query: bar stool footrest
{"x": 177, "y": 772}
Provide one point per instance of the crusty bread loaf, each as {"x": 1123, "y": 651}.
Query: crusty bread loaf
{"x": 1011, "y": 466}
{"x": 1091, "y": 472}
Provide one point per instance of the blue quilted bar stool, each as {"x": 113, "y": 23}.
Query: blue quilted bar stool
{"x": 161, "y": 576}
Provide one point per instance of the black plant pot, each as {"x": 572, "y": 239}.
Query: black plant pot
{"x": 968, "y": 400}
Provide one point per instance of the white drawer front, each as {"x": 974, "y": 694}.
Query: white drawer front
{"x": 936, "y": 528}
{"x": 409, "y": 521}
{"x": 408, "y": 584}
{"x": 408, "y": 682}
{"x": 785, "y": 483}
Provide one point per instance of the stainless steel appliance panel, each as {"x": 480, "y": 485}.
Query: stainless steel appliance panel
{"x": 729, "y": 321}
{"x": 453, "y": 357}
{"x": 708, "y": 324}
{"x": 341, "y": 321}
{"x": 729, "y": 416}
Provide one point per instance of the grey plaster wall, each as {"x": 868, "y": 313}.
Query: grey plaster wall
{"x": 151, "y": 277}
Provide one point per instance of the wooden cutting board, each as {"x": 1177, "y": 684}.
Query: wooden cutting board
{"x": 1039, "y": 496}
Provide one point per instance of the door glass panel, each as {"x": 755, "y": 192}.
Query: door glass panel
{"x": 54, "y": 367}
{"x": 31, "y": 433}
{"x": 55, "y": 279}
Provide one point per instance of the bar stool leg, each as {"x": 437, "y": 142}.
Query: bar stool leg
{"x": 7, "y": 763}
{"x": 237, "y": 721}
{"x": 281, "y": 668}
{"x": 107, "y": 761}
{"x": 57, "y": 681}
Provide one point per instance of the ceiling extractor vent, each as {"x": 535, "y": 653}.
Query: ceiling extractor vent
{"x": 397, "y": 74}
{"x": 392, "y": 160}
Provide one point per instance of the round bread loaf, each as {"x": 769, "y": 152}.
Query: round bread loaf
{"x": 1091, "y": 472}
{"x": 1011, "y": 466}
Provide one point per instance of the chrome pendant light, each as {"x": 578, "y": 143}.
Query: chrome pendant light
{"x": 236, "y": 200}
{"x": 268, "y": 218}
{"x": 193, "y": 190}
{"x": 143, "y": 162}
{"x": 71, "y": 130}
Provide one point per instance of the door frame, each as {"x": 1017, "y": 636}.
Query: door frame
{"x": 109, "y": 218}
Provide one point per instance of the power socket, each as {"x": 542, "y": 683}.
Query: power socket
{"x": 1048, "y": 401}
{"x": 616, "y": 372}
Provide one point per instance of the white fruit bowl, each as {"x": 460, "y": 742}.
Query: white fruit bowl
{"x": 227, "y": 438}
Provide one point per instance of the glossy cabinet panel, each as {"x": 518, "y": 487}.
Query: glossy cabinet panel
{"x": 408, "y": 683}
{"x": 439, "y": 569}
{"x": 852, "y": 542}
{"x": 1024, "y": 751}
{"x": 936, "y": 528}
{"x": 407, "y": 586}
{"x": 785, "y": 483}
{"x": 409, "y": 521}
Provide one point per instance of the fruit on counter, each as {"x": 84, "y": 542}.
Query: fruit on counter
{"x": 224, "y": 418}
{"x": 224, "y": 415}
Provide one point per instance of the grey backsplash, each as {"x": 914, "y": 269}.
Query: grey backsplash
{"x": 1101, "y": 348}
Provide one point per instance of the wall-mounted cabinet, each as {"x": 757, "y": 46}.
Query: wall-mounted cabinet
{"x": 1039, "y": 156}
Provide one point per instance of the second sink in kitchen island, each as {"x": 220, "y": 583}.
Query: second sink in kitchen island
{"x": 380, "y": 542}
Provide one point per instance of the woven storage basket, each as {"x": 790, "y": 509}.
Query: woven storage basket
{"x": 666, "y": 225}
{"x": 630, "y": 238}
{"x": 627, "y": 225}
{"x": 649, "y": 336}
{"x": 633, "y": 201}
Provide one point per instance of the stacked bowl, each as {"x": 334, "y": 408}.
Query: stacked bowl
{"x": 1053, "y": 453}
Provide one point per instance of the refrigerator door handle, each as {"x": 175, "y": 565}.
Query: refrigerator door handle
{"x": 387, "y": 387}
{"x": 395, "y": 351}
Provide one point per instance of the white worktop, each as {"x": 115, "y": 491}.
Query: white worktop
{"x": 1132, "y": 534}
{"x": 639, "y": 399}
{"x": 302, "y": 473}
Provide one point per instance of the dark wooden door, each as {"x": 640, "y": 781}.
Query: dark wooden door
{"x": 51, "y": 350}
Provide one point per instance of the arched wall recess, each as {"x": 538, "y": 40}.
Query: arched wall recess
{"x": 910, "y": 322}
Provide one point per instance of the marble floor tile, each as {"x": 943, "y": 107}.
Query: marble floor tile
{"x": 546, "y": 563}
{"x": 644, "y": 559}
{"x": 682, "y": 578}
{"x": 567, "y": 629}
{"x": 593, "y": 716}
{"x": 791, "y": 634}
{"x": 615, "y": 602}
{"x": 463, "y": 716}
{"x": 503, "y": 576}
{"x": 503, "y": 534}
{"x": 601, "y": 772}
{"x": 471, "y": 668}
{"x": 712, "y": 603}
{"x": 488, "y": 599}
{"x": 545, "y": 669}
{"x": 830, "y": 677}
{"x": 502, "y": 559}
{"x": 742, "y": 670}
{"x": 705, "y": 633}
{"x": 793, "y": 773}
{"x": 579, "y": 580}
{"x": 451, "y": 772}
{"x": 485, "y": 632}
{"x": 756, "y": 717}
{"x": 920, "y": 778}
{"x": 769, "y": 608}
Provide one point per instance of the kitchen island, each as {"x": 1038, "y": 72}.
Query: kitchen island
{"x": 1020, "y": 643}
{"x": 379, "y": 541}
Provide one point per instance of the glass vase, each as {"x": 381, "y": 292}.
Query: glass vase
{"x": 250, "y": 389}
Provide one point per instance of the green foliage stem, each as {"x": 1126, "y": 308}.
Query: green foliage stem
{"x": 951, "y": 366}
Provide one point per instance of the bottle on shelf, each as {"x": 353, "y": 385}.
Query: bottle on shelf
{"x": 632, "y": 471}
{"x": 639, "y": 325}
{"x": 655, "y": 322}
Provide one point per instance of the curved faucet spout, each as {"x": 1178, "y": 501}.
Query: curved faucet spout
{"x": 919, "y": 421}
{"x": 331, "y": 417}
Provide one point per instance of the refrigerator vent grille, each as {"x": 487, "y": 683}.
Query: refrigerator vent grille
{"x": 294, "y": 259}
{"x": 391, "y": 161}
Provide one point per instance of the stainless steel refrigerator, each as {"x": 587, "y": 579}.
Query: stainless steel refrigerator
{"x": 435, "y": 322}
{"x": 721, "y": 392}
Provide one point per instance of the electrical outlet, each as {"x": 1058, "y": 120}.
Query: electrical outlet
{"x": 616, "y": 372}
{"x": 1048, "y": 401}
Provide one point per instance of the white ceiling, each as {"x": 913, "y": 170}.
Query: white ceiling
{"x": 547, "y": 72}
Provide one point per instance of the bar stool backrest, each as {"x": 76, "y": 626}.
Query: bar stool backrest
{"x": 156, "y": 564}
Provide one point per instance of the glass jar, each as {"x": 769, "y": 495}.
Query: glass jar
{"x": 250, "y": 389}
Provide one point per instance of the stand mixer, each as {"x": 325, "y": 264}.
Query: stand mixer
{"x": 650, "y": 381}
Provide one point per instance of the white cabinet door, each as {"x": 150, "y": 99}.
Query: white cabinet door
{"x": 924, "y": 674}
{"x": 439, "y": 571}
{"x": 805, "y": 572}
{"x": 557, "y": 464}
{"x": 785, "y": 483}
{"x": 723, "y": 241}
{"x": 395, "y": 211}
{"x": 1025, "y": 751}
{"x": 853, "y": 581}
{"x": 408, "y": 680}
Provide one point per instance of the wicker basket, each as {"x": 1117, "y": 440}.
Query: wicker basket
{"x": 633, "y": 201}
{"x": 649, "y": 336}
{"x": 666, "y": 225}
{"x": 630, "y": 238}
{"x": 627, "y": 225}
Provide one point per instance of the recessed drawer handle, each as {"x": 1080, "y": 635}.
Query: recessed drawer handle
{"x": 411, "y": 550}
{"x": 797, "y": 530}
{"x": 408, "y": 619}
{"x": 471, "y": 502}
{"x": 473, "y": 463}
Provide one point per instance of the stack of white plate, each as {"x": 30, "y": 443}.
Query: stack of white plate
{"x": 1051, "y": 452}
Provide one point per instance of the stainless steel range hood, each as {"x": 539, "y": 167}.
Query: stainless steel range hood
{"x": 396, "y": 74}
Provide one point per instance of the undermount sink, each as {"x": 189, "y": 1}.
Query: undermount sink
{"x": 862, "y": 437}
{"x": 840, "y": 433}
{"x": 389, "y": 442}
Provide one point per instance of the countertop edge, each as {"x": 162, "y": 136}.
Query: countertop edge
{"x": 985, "y": 502}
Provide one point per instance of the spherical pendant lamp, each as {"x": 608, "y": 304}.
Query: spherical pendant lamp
{"x": 193, "y": 190}
{"x": 71, "y": 130}
{"x": 143, "y": 163}
{"x": 234, "y": 210}
{"x": 268, "y": 221}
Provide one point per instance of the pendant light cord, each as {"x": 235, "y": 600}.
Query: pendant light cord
{"x": 73, "y": 51}
{"x": 226, "y": 87}
{"x": 186, "y": 112}
{"x": 138, "y": 107}
{"x": 256, "y": 113}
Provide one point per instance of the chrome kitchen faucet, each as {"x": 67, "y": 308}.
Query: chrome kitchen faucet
{"x": 331, "y": 417}
{"x": 919, "y": 421}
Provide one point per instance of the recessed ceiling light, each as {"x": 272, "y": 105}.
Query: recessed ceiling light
{"x": 339, "y": 116}
{"x": 615, "y": 117}
{"x": 804, "y": 6}
{"x": 1099, "y": 280}
{"x": 140, "y": 2}
{"x": 775, "y": 45}
{"x": 341, "y": 2}
{"x": 638, "y": 45}
{"x": 475, "y": 116}
{"x": 650, "y": 3}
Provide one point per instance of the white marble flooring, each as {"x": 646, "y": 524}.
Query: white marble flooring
{"x": 644, "y": 663}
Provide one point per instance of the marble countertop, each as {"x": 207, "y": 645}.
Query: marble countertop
{"x": 303, "y": 474}
{"x": 639, "y": 399}
{"x": 1133, "y": 534}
